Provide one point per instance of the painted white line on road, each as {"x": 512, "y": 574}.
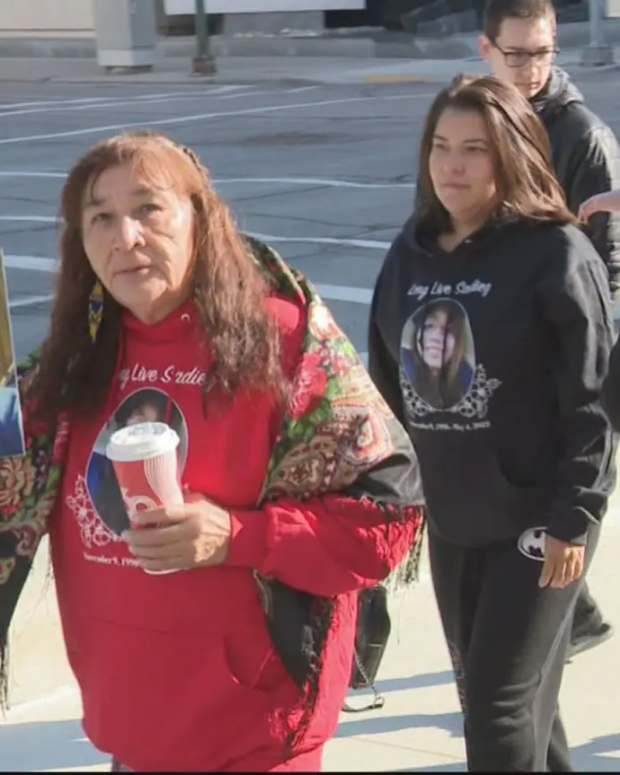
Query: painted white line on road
{"x": 26, "y": 174}
{"x": 302, "y": 88}
{"x": 51, "y": 103}
{"x": 115, "y": 102}
{"x": 29, "y": 301}
{"x": 31, "y": 263}
{"x": 353, "y": 243}
{"x": 328, "y": 292}
{"x": 154, "y": 95}
{"x": 234, "y": 181}
{"x": 344, "y": 293}
{"x": 202, "y": 117}
{"x": 34, "y": 218}
{"x": 50, "y": 265}
{"x": 208, "y": 91}
{"x": 314, "y": 182}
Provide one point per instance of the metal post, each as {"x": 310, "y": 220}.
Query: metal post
{"x": 597, "y": 53}
{"x": 596, "y": 38}
{"x": 203, "y": 63}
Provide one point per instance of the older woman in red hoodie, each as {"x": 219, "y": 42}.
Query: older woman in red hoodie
{"x": 300, "y": 488}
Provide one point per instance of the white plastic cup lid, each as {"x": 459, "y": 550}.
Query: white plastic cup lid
{"x": 141, "y": 441}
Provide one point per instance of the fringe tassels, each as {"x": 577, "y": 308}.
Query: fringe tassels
{"x": 409, "y": 569}
{"x": 4, "y": 676}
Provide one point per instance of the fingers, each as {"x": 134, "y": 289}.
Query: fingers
{"x": 574, "y": 566}
{"x": 553, "y": 575}
{"x": 588, "y": 208}
{"x": 160, "y": 517}
{"x": 560, "y": 577}
{"x": 155, "y": 537}
{"x": 194, "y": 534}
{"x": 546, "y": 573}
{"x": 560, "y": 571}
{"x": 173, "y": 561}
{"x": 163, "y": 548}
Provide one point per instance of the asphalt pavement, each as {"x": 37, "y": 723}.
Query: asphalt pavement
{"x": 318, "y": 156}
{"x": 269, "y": 69}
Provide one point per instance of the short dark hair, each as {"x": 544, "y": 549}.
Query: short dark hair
{"x": 155, "y": 398}
{"x": 495, "y": 11}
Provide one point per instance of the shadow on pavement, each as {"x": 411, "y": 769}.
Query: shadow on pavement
{"x": 456, "y": 767}
{"x": 45, "y": 745}
{"x": 451, "y": 722}
{"x": 422, "y": 681}
{"x": 590, "y": 757}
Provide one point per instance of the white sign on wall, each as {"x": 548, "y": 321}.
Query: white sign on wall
{"x": 173, "y": 7}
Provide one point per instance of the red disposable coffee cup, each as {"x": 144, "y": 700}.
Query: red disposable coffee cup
{"x": 144, "y": 457}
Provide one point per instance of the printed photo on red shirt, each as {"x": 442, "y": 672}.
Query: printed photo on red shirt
{"x": 145, "y": 405}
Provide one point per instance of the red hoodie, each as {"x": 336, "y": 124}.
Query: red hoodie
{"x": 178, "y": 671}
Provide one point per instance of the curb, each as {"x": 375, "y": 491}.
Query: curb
{"x": 365, "y": 43}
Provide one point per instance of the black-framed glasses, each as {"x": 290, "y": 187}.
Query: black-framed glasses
{"x": 521, "y": 58}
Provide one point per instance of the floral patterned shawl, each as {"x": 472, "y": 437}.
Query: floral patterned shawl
{"x": 338, "y": 435}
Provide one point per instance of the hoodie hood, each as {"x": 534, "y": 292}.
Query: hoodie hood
{"x": 559, "y": 92}
{"x": 422, "y": 240}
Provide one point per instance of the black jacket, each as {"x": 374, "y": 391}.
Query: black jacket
{"x": 525, "y": 442}
{"x": 586, "y": 160}
{"x": 611, "y": 388}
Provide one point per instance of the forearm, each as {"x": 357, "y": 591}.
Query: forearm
{"x": 585, "y": 476}
{"x": 609, "y": 201}
{"x": 325, "y": 546}
{"x": 576, "y": 306}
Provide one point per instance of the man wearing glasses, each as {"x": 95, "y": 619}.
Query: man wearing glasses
{"x": 519, "y": 44}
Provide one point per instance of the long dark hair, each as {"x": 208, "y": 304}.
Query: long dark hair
{"x": 526, "y": 184}
{"x": 230, "y": 290}
{"x": 447, "y": 388}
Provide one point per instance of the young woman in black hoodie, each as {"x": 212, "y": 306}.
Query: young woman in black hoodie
{"x": 516, "y": 469}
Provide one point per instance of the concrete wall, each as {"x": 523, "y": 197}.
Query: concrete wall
{"x": 262, "y": 6}
{"x": 54, "y": 18}
{"x": 612, "y": 8}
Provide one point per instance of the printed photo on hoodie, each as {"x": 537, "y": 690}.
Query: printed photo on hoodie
{"x": 437, "y": 353}
{"x": 145, "y": 405}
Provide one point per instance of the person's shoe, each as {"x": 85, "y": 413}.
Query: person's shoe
{"x": 589, "y": 639}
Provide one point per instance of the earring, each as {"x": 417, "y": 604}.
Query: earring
{"x": 95, "y": 310}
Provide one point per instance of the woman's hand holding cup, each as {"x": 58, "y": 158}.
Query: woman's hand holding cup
{"x": 195, "y": 534}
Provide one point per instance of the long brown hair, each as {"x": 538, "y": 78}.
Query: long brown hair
{"x": 230, "y": 290}
{"x": 526, "y": 184}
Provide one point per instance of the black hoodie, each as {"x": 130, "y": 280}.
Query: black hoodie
{"x": 493, "y": 356}
{"x": 586, "y": 159}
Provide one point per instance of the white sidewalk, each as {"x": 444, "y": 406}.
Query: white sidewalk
{"x": 418, "y": 728}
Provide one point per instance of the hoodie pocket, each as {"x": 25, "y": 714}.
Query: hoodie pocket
{"x": 253, "y": 664}
{"x": 470, "y": 500}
